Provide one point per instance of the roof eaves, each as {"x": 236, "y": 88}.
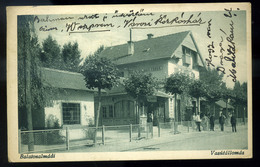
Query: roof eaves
{"x": 180, "y": 43}
{"x": 159, "y": 58}
{"x": 193, "y": 39}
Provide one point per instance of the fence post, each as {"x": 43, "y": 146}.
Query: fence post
{"x": 151, "y": 125}
{"x": 147, "y": 130}
{"x": 139, "y": 131}
{"x": 19, "y": 140}
{"x": 103, "y": 134}
{"x": 130, "y": 132}
{"x": 45, "y": 138}
{"x": 95, "y": 136}
{"x": 67, "y": 139}
{"x": 188, "y": 124}
{"x": 159, "y": 130}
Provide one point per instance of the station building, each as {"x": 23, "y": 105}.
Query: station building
{"x": 161, "y": 56}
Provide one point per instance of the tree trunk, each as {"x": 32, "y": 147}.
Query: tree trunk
{"x": 97, "y": 118}
{"x": 237, "y": 111}
{"x": 136, "y": 111}
{"x": 244, "y": 115}
{"x": 214, "y": 109}
{"x": 175, "y": 114}
{"x": 198, "y": 103}
{"x": 28, "y": 100}
{"x": 226, "y": 109}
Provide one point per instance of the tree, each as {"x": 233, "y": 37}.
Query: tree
{"x": 213, "y": 94}
{"x": 67, "y": 58}
{"x": 51, "y": 54}
{"x": 197, "y": 89}
{"x": 240, "y": 97}
{"x": 227, "y": 94}
{"x": 99, "y": 73}
{"x": 71, "y": 56}
{"x": 29, "y": 82}
{"x": 177, "y": 83}
{"x": 214, "y": 85}
{"x": 211, "y": 77}
{"x": 140, "y": 85}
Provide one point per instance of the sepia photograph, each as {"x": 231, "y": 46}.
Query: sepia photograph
{"x": 129, "y": 82}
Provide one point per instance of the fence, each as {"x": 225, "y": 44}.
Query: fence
{"x": 64, "y": 139}
{"x": 44, "y": 140}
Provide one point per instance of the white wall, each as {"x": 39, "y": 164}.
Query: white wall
{"x": 158, "y": 68}
{"x": 86, "y": 101}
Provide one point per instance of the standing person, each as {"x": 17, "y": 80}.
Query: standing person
{"x": 212, "y": 122}
{"x": 194, "y": 121}
{"x": 222, "y": 121}
{"x": 149, "y": 118}
{"x": 233, "y": 122}
{"x": 198, "y": 121}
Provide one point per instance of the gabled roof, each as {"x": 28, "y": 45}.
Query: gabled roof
{"x": 145, "y": 50}
{"x": 63, "y": 79}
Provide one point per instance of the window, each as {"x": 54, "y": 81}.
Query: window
{"x": 71, "y": 113}
{"x": 194, "y": 59}
{"x": 186, "y": 56}
{"x": 107, "y": 111}
{"x": 190, "y": 57}
{"x": 110, "y": 111}
{"x": 104, "y": 111}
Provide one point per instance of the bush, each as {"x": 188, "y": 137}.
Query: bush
{"x": 90, "y": 133}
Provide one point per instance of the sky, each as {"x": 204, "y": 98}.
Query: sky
{"x": 118, "y": 34}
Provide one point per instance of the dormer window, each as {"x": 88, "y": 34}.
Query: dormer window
{"x": 186, "y": 56}
{"x": 189, "y": 57}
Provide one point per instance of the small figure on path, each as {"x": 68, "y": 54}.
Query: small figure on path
{"x": 204, "y": 122}
{"x": 212, "y": 122}
{"x": 222, "y": 121}
{"x": 194, "y": 126}
{"x": 233, "y": 122}
{"x": 198, "y": 121}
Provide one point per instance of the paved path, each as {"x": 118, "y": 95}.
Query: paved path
{"x": 205, "y": 140}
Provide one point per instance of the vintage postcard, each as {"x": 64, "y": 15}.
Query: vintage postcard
{"x": 129, "y": 82}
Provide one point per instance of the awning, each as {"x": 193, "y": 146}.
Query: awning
{"x": 222, "y": 104}
{"x": 162, "y": 94}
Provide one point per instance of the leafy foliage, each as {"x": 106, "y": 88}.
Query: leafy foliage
{"x": 177, "y": 83}
{"x": 197, "y": 89}
{"x": 28, "y": 51}
{"x": 99, "y": 72}
{"x": 50, "y": 55}
{"x": 213, "y": 94}
{"x": 140, "y": 84}
{"x": 227, "y": 94}
{"x": 67, "y": 58}
{"x": 215, "y": 88}
{"x": 211, "y": 77}
{"x": 240, "y": 93}
{"x": 71, "y": 56}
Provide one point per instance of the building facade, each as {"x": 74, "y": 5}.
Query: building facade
{"x": 161, "y": 56}
{"x": 71, "y": 103}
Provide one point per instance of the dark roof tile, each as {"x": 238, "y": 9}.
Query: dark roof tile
{"x": 63, "y": 79}
{"x": 144, "y": 50}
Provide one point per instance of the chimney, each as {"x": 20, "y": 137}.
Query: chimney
{"x": 130, "y": 47}
{"x": 130, "y": 44}
{"x": 149, "y": 36}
